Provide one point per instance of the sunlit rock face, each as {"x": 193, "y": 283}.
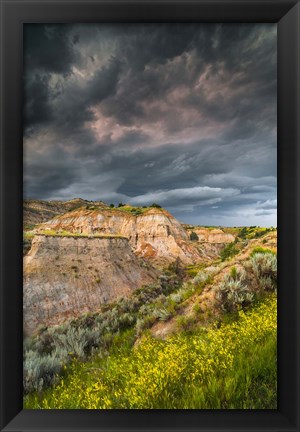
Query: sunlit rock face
{"x": 155, "y": 234}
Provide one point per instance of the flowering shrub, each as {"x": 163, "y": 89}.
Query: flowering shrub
{"x": 233, "y": 366}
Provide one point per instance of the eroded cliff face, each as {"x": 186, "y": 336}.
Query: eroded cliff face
{"x": 212, "y": 235}
{"x": 155, "y": 234}
{"x": 66, "y": 277}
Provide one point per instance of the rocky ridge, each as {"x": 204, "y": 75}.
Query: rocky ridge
{"x": 38, "y": 211}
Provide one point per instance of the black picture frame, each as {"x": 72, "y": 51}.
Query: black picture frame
{"x": 286, "y": 13}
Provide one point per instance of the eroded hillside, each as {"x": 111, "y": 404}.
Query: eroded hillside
{"x": 38, "y": 211}
{"x": 198, "y": 300}
{"x": 154, "y": 234}
{"x": 65, "y": 277}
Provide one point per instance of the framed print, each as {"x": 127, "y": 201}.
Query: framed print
{"x": 154, "y": 149}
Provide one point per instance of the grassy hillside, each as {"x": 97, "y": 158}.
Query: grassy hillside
{"x": 202, "y": 337}
{"x": 233, "y": 366}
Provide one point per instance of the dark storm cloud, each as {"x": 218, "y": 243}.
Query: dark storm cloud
{"x": 53, "y": 170}
{"x": 103, "y": 83}
{"x": 183, "y": 114}
{"x": 48, "y": 48}
{"x": 37, "y": 106}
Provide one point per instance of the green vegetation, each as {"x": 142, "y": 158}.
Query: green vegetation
{"x": 233, "y": 366}
{"x": 264, "y": 266}
{"x": 58, "y": 346}
{"x": 28, "y": 235}
{"x": 254, "y": 232}
{"x": 92, "y": 207}
{"x": 136, "y": 210}
{"x": 229, "y": 251}
{"x": 233, "y": 293}
{"x": 64, "y": 233}
{"x": 262, "y": 250}
{"x": 193, "y": 236}
{"x": 29, "y": 227}
{"x": 223, "y": 355}
{"x": 193, "y": 269}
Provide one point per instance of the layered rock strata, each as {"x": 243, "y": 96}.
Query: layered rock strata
{"x": 155, "y": 234}
{"x": 66, "y": 277}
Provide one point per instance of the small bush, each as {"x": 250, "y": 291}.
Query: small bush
{"x": 233, "y": 293}
{"x": 228, "y": 251}
{"x": 144, "y": 323}
{"x": 74, "y": 341}
{"x": 201, "y": 277}
{"x": 162, "y": 314}
{"x": 194, "y": 236}
{"x": 233, "y": 273}
{"x": 243, "y": 233}
{"x": 185, "y": 323}
{"x": 39, "y": 371}
{"x": 264, "y": 265}
{"x": 197, "y": 309}
{"x": 176, "y": 297}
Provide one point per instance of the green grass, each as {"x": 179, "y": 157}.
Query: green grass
{"x": 29, "y": 227}
{"x": 28, "y": 235}
{"x": 233, "y": 367}
{"x": 63, "y": 233}
{"x": 262, "y": 250}
{"x": 136, "y": 211}
{"x": 254, "y": 232}
{"x": 193, "y": 269}
{"x": 229, "y": 251}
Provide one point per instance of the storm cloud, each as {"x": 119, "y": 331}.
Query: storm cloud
{"x": 183, "y": 115}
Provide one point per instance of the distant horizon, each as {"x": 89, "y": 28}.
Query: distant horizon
{"x": 182, "y": 114}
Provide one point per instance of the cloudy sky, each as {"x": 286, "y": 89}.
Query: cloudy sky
{"x": 183, "y": 115}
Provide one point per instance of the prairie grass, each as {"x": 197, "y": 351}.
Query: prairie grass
{"x": 63, "y": 233}
{"x": 233, "y": 366}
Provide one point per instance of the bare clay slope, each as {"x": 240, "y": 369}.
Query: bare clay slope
{"x": 66, "y": 277}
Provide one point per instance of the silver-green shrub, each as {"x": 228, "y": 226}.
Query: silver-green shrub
{"x": 233, "y": 293}
{"x": 162, "y": 314}
{"x": 264, "y": 266}
{"x": 40, "y": 371}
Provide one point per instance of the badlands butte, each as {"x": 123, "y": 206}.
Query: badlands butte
{"x": 80, "y": 255}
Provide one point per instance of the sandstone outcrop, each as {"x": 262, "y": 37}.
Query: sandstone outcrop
{"x": 65, "y": 277}
{"x": 155, "y": 234}
{"x": 215, "y": 235}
